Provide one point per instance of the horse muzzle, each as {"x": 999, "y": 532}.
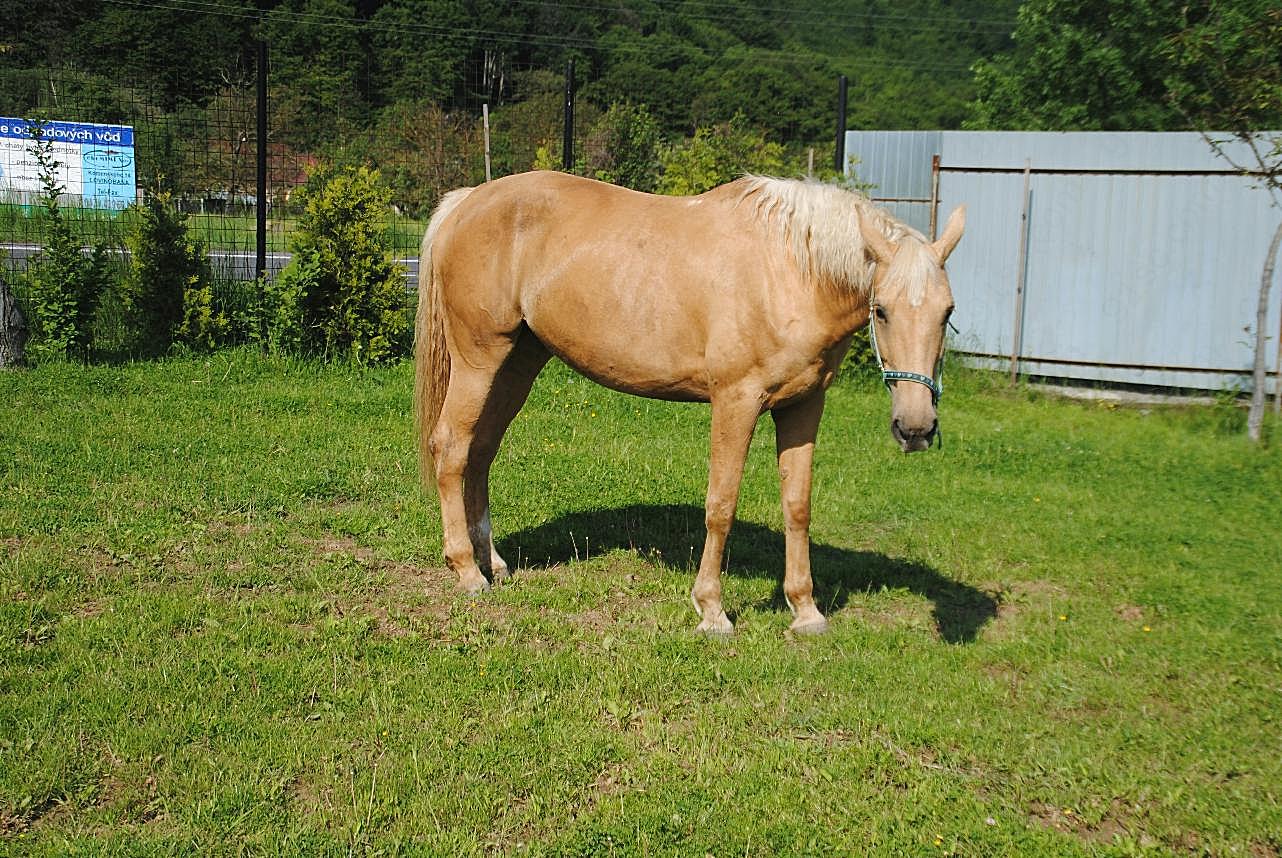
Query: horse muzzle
{"x": 913, "y": 438}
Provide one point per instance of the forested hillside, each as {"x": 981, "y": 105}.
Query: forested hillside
{"x": 339, "y": 65}
{"x": 740, "y": 84}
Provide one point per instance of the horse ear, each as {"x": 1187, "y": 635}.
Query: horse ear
{"x": 952, "y": 233}
{"x": 876, "y": 243}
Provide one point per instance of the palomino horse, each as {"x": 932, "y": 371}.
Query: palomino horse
{"x": 745, "y": 297}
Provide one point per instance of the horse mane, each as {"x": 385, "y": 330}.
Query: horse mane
{"x": 819, "y": 225}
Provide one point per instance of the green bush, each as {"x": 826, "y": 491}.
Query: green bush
{"x": 278, "y": 316}
{"x": 623, "y": 148}
{"x": 860, "y": 362}
{"x": 64, "y": 287}
{"x": 716, "y": 155}
{"x": 167, "y": 291}
{"x": 342, "y": 294}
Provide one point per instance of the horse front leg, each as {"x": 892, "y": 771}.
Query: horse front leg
{"x": 796, "y": 426}
{"x": 733, "y": 420}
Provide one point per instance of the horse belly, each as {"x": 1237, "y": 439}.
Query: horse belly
{"x": 622, "y": 342}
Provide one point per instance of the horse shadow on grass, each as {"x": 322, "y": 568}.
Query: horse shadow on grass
{"x": 674, "y": 534}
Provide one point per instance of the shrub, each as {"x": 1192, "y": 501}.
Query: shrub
{"x": 717, "y": 155}
{"x": 64, "y": 287}
{"x": 167, "y": 289}
{"x": 342, "y": 292}
{"x": 623, "y": 148}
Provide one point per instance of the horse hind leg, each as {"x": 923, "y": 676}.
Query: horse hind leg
{"x": 483, "y": 396}
{"x": 508, "y": 393}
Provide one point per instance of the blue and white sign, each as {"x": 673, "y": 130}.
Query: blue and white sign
{"x": 96, "y": 162}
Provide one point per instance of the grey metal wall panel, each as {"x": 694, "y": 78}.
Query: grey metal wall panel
{"x": 1083, "y": 150}
{"x": 890, "y": 161}
{"x": 1148, "y": 279}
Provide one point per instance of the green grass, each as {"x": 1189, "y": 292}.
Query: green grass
{"x": 224, "y": 629}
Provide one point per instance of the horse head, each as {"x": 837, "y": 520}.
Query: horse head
{"x": 909, "y": 305}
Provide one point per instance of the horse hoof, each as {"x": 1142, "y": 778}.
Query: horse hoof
{"x": 500, "y": 573}
{"x": 720, "y": 627}
{"x": 809, "y": 626}
{"x": 471, "y": 587}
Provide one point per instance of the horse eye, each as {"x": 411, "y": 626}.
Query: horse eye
{"x": 881, "y": 313}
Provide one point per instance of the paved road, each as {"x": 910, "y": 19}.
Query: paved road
{"x": 228, "y": 264}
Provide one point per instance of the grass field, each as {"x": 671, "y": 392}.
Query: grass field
{"x": 224, "y": 629}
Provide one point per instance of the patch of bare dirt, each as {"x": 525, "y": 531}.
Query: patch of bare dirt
{"x": 403, "y": 599}
{"x": 329, "y": 546}
{"x": 1008, "y": 675}
{"x": 220, "y": 529}
{"x": 609, "y": 782}
{"x": 89, "y": 610}
{"x": 1260, "y": 849}
{"x": 311, "y": 798}
{"x": 1017, "y": 599}
{"x": 1117, "y": 821}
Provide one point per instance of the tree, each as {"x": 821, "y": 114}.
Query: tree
{"x": 414, "y": 66}
{"x": 65, "y": 286}
{"x": 1082, "y": 66}
{"x": 13, "y": 328}
{"x": 342, "y": 293}
{"x": 422, "y": 152}
{"x": 315, "y": 70}
{"x": 1227, "y": 76}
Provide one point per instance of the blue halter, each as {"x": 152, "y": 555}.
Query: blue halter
{"x": 889, "y": 375}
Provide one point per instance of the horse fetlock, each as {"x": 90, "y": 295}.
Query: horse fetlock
{"x": 800, "y": 599}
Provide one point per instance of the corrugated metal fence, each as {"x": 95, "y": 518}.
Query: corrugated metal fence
{"x": 1141, "y": 252}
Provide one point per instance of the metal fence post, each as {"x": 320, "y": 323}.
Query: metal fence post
{"x": 260, "y": 238}
{"x": 934, "y": 196}
{"x": 567, "y": 141}
{"x": 839, "y": 153}
{"x": 1021, "y": 274}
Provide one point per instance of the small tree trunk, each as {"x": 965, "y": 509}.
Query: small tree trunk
{"x": 1258, "y": 380}
{"x": 13, "y": 329}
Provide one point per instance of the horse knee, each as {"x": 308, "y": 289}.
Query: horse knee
{"x": 796, "y": 513}
{"x": 718, "y": 516}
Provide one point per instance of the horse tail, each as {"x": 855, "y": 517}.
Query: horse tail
{"x": 431, "y": 357}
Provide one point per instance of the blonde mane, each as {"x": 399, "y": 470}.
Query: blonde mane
{"x": 819, "y": 225}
